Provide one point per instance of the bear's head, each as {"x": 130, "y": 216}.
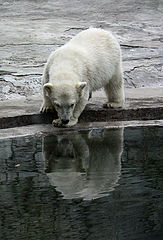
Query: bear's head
{"x": 64, "y": 97}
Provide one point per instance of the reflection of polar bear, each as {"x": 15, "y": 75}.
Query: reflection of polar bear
{"x": 89, "y": 61}
{"x": 84, "y": 165}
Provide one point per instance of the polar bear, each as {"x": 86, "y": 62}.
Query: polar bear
{"x": 89, "y": 61}
{"x": 84, "y": 165}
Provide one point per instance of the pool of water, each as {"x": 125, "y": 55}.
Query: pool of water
{"x": 104, "y": 184}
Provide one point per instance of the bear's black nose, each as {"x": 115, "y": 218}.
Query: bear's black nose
{"x": 65, "y": 121}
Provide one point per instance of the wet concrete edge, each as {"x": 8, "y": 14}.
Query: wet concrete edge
{"x": 96, "y": 114}
{"x": 46, "y": 129}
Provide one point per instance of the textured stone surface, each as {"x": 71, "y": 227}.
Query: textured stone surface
{"x": 30, "y": 30}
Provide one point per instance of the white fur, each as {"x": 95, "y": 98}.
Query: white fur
{"x": 89, "y": 61}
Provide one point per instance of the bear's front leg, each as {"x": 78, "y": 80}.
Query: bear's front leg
{"x": 72, "y": 122}
{"x": 46, "y": 105}
{"x": 77, "y": 111}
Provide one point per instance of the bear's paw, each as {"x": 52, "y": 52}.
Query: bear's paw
{"x": 113, "y": 105}
{"x": 46, "y": 109}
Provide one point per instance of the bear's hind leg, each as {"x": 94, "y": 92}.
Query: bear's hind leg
{"x": 115, "y": 92}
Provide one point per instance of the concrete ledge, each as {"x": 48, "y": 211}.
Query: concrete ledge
{"x": 141, "y": 104}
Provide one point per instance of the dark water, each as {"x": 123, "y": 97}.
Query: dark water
{"x": 102, "y": 184}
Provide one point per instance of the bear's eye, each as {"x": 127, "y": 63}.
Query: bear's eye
{"x": 57, "y": 105}
{"x": 72, "y": 105}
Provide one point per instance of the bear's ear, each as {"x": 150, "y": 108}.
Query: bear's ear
{"x": 80, "y": 86}
{"x": 48, "y": 87}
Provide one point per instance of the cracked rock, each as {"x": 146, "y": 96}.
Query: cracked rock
{"x": 31, "y": 30}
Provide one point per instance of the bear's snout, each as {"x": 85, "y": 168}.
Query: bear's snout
{"x": 65, "y": 121}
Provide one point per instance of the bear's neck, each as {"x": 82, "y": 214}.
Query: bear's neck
{"x": 64, "y": 77}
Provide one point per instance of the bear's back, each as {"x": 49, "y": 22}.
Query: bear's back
{"x": 95, "y": 38}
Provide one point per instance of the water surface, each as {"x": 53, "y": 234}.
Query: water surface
{"x": 104, "y": 184}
